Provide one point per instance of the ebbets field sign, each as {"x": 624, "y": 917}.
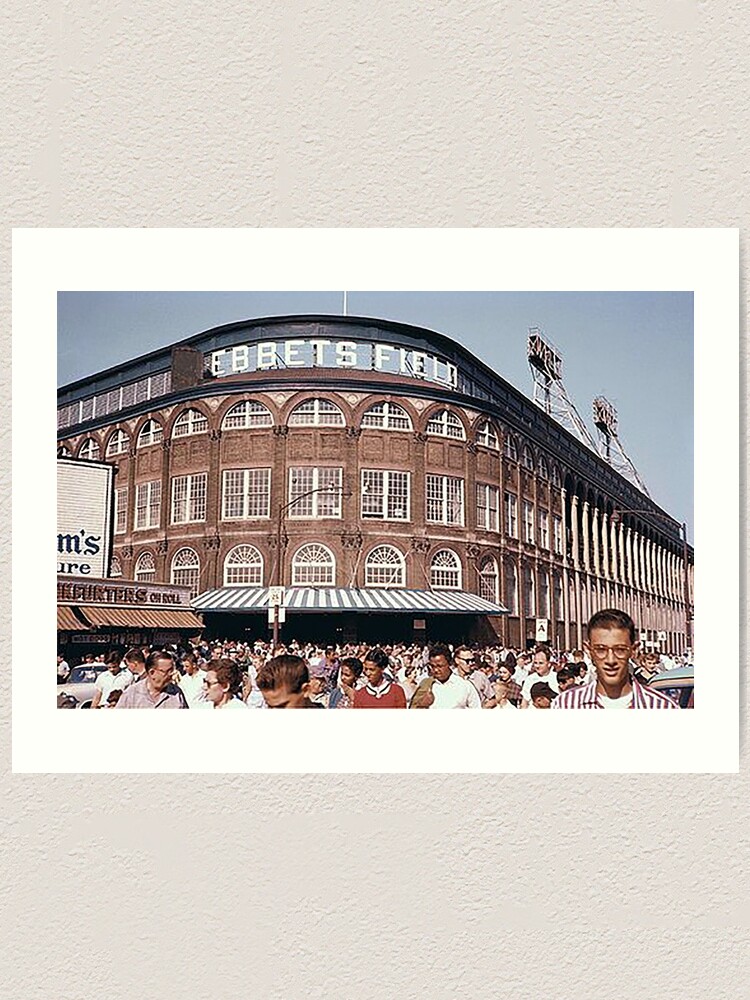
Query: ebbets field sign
{"x": 84, "y": 517}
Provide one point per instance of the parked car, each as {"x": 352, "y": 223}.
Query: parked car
{"x": 678, "y": 683}
{"x": 81, "y": 685}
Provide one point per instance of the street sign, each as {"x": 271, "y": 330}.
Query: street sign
{"x": 661, "y": 636}
{"x": 275, "y": 596}
{"x": 542, "y": 629}
{"x": 277, "y": 612}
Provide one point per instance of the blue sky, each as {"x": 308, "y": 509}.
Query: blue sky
{"x": 635, "y": 348}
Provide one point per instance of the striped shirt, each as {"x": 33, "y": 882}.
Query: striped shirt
{"x": 586, "y": 696}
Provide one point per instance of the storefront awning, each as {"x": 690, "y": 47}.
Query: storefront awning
{"x": 139, "y": 618}
{"x": 68, "y": 621}
{"x": 336, "y": 599}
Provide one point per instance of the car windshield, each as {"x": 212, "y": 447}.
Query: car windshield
{"x": 84, "y": 675}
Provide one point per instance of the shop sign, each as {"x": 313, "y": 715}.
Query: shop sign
{"x": 109, "y": 591}
{"x": 84, "y": 517}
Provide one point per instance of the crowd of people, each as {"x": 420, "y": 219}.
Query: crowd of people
{"x": 608, "y": 673}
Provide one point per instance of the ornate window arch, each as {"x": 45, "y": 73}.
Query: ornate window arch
{"x": 387, "y": 416}
{"x": 543, "y": 467}
{"x": 243, "y": 565}
{"x": 488, "y": 579}
{"x": 313, "y": 565}
{"x": 63, "y": 451}
{"x": 445, "y": 423}
{"x": 527, "y": 458}
{"x": 89, "y": 450}
{"x": 556, "y": 481}
{"x": 385, "y": 567}
{"x": 510, "y": 448}
{"x": 150, "y": 433}
{"x": 245, "y": 415}
{"x": 316, "y": 413}
{"x": 487, "y": 437}
{"x": 186, "y": 570}
{"x": 145, "y": 567}
{"x": 115, "y": 568}
{"x": 190, "y": 421}
{"x": 445, "y": 570}
{"x": 118, "y": 443}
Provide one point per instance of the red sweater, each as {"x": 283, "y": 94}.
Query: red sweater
{"x": 393, "y": 698}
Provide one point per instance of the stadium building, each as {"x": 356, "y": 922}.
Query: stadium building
{"x": 389, "y": 481}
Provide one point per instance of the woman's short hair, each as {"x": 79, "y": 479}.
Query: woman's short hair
{"x": 354, "y": 664}
{"x": 228, "y": 674}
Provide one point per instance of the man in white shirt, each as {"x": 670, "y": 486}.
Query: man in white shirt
{"x": 115, "y": 678}
{"x": 450, "y": 690}
{"x": 192, "y": 681}
{"x": 541, "y": 671}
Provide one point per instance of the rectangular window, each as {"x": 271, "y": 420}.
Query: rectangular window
{"x": 511, "y": 515}
{"x": 385, "y": 495}
{"x": 128, "y": 395}
{"x": 121, "y": 510}
{"x": 528, "y": 522}
{"x": 148, "y": 504}
{"x": 189, "y": 498}
{"x": 445, "y": 500}
{"x": 543, "y": 529}
{"x": 314, "y": 492}
{"x": 558, "y": 534}
{"x": 487, "y": 507}
{"x": 246, "y": 493}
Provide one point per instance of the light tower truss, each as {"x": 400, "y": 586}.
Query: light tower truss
{"x": 610, "y": 446}
{"x": 549, "y": 389}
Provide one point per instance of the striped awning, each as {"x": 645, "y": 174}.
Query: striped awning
{"x": 68, "y": 621}
{"x": 333, "y": 599}
{"x": 138, "y": 618}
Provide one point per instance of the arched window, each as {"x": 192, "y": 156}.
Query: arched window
{"x": 444, "y": 423}
{"x": 190, "y": 422}
{"x": 151, "y": 433}
{"x": 510, "y": 449}
{"x": 488, "y": 579}
{"x": 313, "y": 565}
{"x": 247, "y": 414}
{"x": 528, "y": 458}
{"x": 115, "y": 568}
{"x": 543, "y": 468}
{"x": 117, "y": 444}
{"x": 63, "y": 452}
{"x": 316, "y": 413}
{"x": 557, "y": 594}
{"x": 555, "y": 476}
{"x": 387, "y": 416}
{"x": 445, "y": 571}
{"x": 487, "y": 437}
{"x": 145, "y": 567}
{"x": 89, "y": 449}
{"x": 385, "y": 567}
{"x": 186, "y": 570}
{"x": 511, "y": 587}
{"x": 243, "y": 564}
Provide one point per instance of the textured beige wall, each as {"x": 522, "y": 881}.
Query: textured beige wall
{"x": 431, "y": 114}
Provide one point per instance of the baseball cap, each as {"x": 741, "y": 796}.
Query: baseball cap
{"x": 542, "y": 690}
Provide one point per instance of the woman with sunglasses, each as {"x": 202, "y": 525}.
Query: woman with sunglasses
{"x": 223, "y": 684}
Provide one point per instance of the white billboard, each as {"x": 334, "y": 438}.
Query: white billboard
{"x": 84, "y": 517}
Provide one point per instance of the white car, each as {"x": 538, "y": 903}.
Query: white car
{"x": 80, "y": 685}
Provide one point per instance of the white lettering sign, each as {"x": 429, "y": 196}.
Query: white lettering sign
{"x": 362, "y": 355}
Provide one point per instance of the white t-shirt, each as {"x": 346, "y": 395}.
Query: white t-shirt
{"x": 623, "y": 702}
{"x": 532, "y": 679}
{"x": 455, "y": 693}
{"x": 107, "y": 682}
{"x": 192, "y": 687}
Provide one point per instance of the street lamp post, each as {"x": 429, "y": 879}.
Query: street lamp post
{"x": 618, "y": 512}
{"x": 283, "y": 508}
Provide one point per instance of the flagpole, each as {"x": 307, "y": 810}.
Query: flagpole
{"x": 345, "y": 303}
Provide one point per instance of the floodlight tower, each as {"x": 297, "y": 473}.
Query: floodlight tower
{"x": 549, "y": 390}
{"x": 610, "y": 446}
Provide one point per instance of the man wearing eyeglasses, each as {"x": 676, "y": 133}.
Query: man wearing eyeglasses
{"x": 541, "y": 671}
{"x": 157, "y": 689}
{"x": 611, "y": 644}
{"x": 467, "y": 666}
